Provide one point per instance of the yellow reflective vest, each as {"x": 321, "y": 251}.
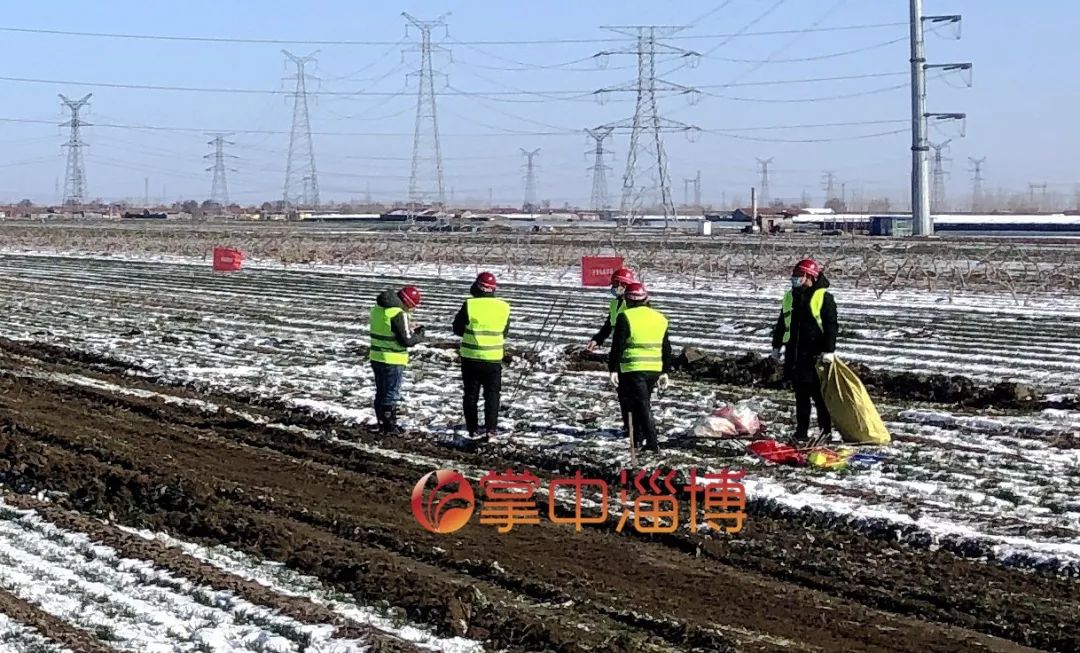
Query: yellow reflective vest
{"x": 615, "y": 308}
{"x": 384, "y": 346}
{"x": 645, "y": 346}
{"x": 483, "y": 339}
{"x": 817, "y": 300}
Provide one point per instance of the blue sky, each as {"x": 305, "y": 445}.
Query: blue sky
{"x": 1020, "y": 109}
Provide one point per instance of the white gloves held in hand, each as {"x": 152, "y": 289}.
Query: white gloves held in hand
{"x": 591, "y": 346}
{"x": 663, "y": 382}
{"x": 614, "y": 378}
{"x": 828, "y": 358}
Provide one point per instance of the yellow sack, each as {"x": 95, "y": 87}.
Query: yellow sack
{"x": 853, "y": 412}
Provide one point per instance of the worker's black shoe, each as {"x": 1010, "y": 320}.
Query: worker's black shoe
{"x": 389, "y": 424}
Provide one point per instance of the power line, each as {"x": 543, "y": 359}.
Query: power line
{"x": 323, "y": 42}
{"x": 819, "y": 57}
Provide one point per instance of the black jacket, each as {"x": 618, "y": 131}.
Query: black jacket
{"x": 461, "y": 320}
{"x": 807, "y": 341}
{"x": 605, "y": 329}
{"x": 399, "y": 326}
{"x": 618, "y": 345}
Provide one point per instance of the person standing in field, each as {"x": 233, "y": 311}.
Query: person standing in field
{"x": 482, "y": 323}
{"x": 640, "y": 360}
{"x": 620, "y": 279}
{"x": 391, "y": 335}
{"x": 806, "y": 330}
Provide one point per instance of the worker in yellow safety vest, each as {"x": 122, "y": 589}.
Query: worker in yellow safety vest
{"x": 620, "y": 279}
{"x": 640, "y": 360}
{"x": 483, "y": 323}
{"x": 391, "y": 333}
{"x": 806, "y": 330}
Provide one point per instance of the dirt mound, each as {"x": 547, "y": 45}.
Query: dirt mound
{"x": 753, "y": 370}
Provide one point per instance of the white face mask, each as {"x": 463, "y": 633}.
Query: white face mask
{"x": 796, "y": 282}
{"x": 617, "y": 291}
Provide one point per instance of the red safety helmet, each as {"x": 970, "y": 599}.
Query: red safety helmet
{"x": 636, "y": 292}
{"x": 409, "y": 296}
{"x": 624, "y": 276}
{"x": 807, "y": 268}
{"x": 486, "y": 281}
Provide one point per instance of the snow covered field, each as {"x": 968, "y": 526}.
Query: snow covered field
{"x": 1008, "y": 482}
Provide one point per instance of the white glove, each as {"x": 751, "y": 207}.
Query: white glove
{"x": 614, "y": 378}
{"x": 591, "y": 346}
{"x": 776, "y": 354}
{"x": 663, "y": 382}
{"x": 828, "y": 358}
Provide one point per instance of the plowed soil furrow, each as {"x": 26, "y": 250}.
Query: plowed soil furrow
{"x": 203, "y": 573}
{"x": 51, "y": 627}
{"x": 342, "y": 514}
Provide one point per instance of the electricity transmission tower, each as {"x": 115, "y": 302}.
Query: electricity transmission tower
{"x": 219, "y": 188}
{"x": 937, "y": 194}
{"x": 599, "y": 168}
{"x": 764, "y": 192}
{"x": 695, "y": 183}
{"x": 529, "y": 206}
{"x": 645, "y": 156}
{"x": 301, "y": 160}
{"x": 426, "y": 179}
{"x": 920, "y": 145}
{"x": 976, "y": 184}
{"x": 75, "y": 174}
{"x": 1039, "y": 205}
{"x": 829, "y": 184}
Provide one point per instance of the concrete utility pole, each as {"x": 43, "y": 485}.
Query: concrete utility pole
{"x": 920, "y": 146}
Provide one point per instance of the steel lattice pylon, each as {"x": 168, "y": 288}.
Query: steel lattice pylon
{"x": 219, "y": 187}
{"x": 75, "y": 173}
{"x": 426, "y": 178}
{"x": 301, "y": 180}
{"x": 646, "y": 177}
{"x": 599, "y": 201}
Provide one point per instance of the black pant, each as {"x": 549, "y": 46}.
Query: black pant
{"x": 488, "y": 375}
{"x": 805, "y": 391}
{"x": 635, "y": 392}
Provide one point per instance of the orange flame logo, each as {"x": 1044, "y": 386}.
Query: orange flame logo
{"x": 448, "y": 512}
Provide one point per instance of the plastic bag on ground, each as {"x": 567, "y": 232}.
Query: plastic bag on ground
{"x": 853, "y": 412}
{"x": 729, "y": 422}
{"x": 777, "y": 452}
